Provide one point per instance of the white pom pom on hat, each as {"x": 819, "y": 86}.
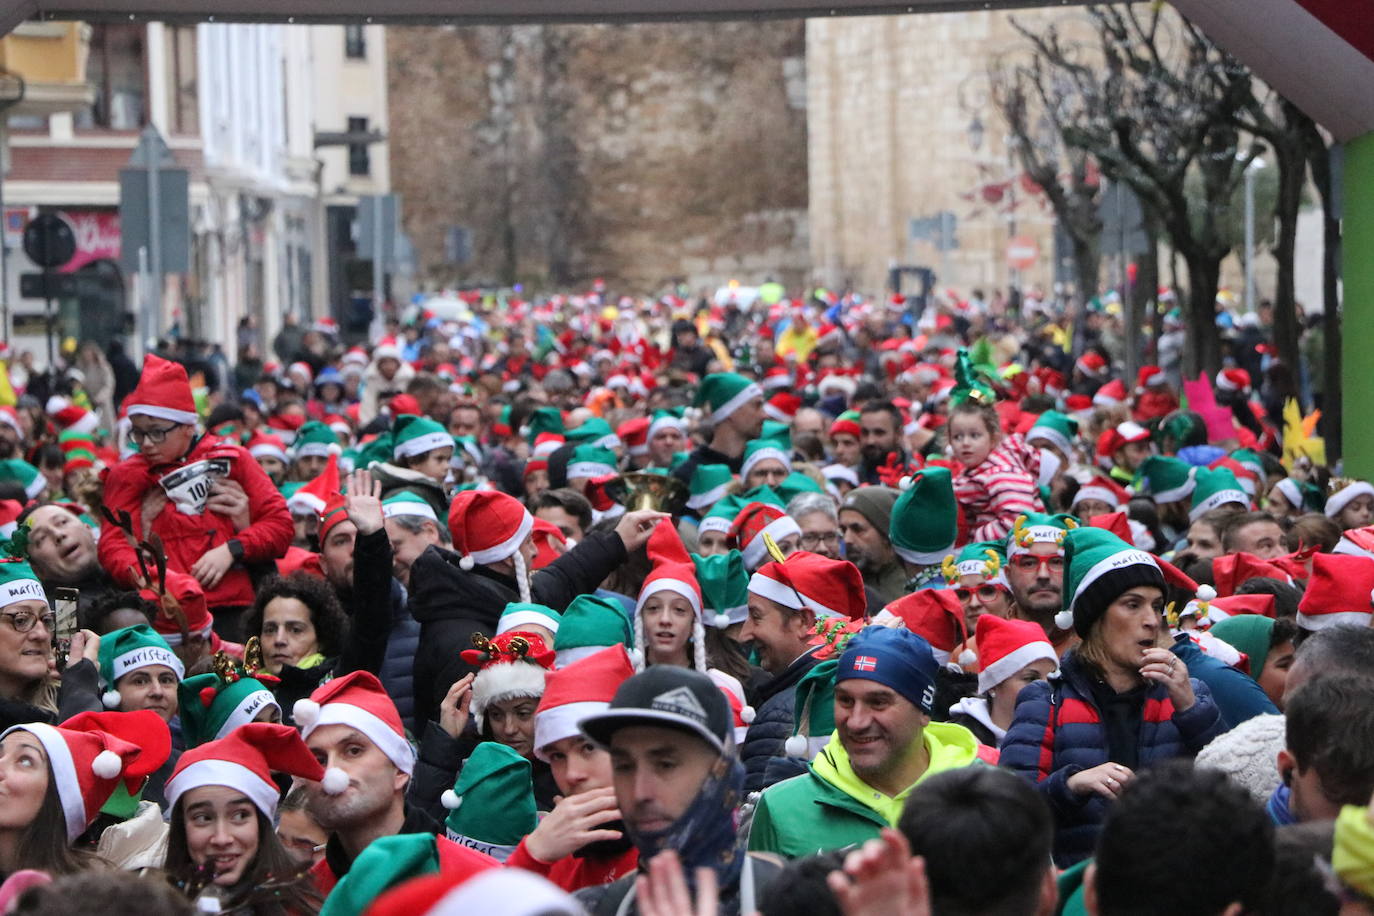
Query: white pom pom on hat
{"x": 795, "y": 746}
{"x": 466, "y": 562}
{"x": 905, "y": 483}
{"x": 335, "y": 781}
{"x": 721, "y": 621}
{"x": 968, "y": 657}
{"x": 1064, "y": 620}
{"x": 451, "y": 800}
{"x": 305, "y": 712}
{"x": 1206, "y": 593}
{"x": 111, "y": 699}
{"x": 746, "y": 715}
{"x": 107, "y": 765}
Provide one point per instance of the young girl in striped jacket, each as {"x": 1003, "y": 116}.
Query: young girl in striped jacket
{"x": 998, "y": 480}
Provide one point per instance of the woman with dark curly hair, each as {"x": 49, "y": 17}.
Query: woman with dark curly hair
{"x": 304, "y": 635}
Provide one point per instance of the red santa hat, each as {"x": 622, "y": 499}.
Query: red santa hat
{"x": 245, "y": 760}
{"x": 583, "y": 688}
{"x": 1150, "y": 377}
{"x": 673, "y": 571}
{"x": 10, "y": 417}
{"x": 776, "y": 378}
{"x": 740, "y": 710}
{"x": 547, "y": 540}
{"x": 635, "y": 434}
{"x": 1232, "y": 569}
{"x": 316, "y": 496}
{"x": 545, "y": 444}
{"x": 91, "y": 753}
{"x": 163, "y": 392}
{"x": 846, "y": 427}
{"x": 266, "y": 445}
{"x": 1340, "y": 591}
{"x": 70, "y": 416}
{"x": 488, "y": 526}
{"x": 826, "y": 587}
{"x": 1007, "y": 646}
{"x": 783, "y": 406}
{"x": 359, "y": 701}
{"x": 1091, "y": 363}
{"x": 1104, "y": 489}
{"x": 1124, "y": 434}
{"x": 1111, "y": 394}
{"x": 1233, "y": 380}
{"x": 10, "y": 510}
{"x": 936, "y": 615}
{"x": 189, "y": 597}
{"x": 753, "y": 522}
{"x": 1259, "y": 605}
{"x": 387, "y": 348}
{"x": 1078, "y": 403}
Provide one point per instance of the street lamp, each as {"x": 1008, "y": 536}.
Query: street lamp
{"x": 1251, "y": 171}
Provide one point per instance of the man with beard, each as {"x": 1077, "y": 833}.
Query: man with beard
{"x": 865, "y": 518}
{"x": 1035, "y": 571}
{"x": 63, "y": 554}
{"x": 669, "y": 731}
{"x": 880, "y": 426}
{"x": 354, "y": 731}
{"x": 581, "y": 842}
{"x": 884, "y": 745}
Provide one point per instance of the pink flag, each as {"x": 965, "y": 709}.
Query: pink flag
{"x": 1220, "y": 424}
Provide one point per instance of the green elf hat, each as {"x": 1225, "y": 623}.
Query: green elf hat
{"x": 1215, "y": 487}
{"x": 289, "y": 488}
{"x": 17, "y": 470}
{"x": 724, "y": 588}
{"x": 678, "y": 459}
{"x": 591, "y": 461}
{"x": 796, "y": 483}
{"x": 1055, "y": 428}
{"x": 1098, "y": 567}
{"x": 466, "y": 450}
{"x": 589, "y": 625}
{"x": 412, "y": 435}
{"x": 405, "y": 504}
{"x": 1168, "y": 480}
{"x": 522, "y": 613}
{"x": 757, "y": 450}
{"x": 1033, "y": 528}
{"x": 666, "y": 418}
{"x": 315, "y": 440}
{"x": 1301, "y": 495}
{"x": 762, "y": 494}
{"x": 386, "y": 862}
{"x": 491, "y": 807}
{"x": 541, "y": 420}
{"x": 213, "y": 704}
{"x": 378, "y": 451}
{"x": 128, "y": 649}
{"x": 19, "y": 583}
{"x": 969, "y": 386}
{"x": 596, "y": 432}
{"x": 722, "y": 515}
{"x": 813, "y": 711}
{"x": 1250, "y": 460}
{"x": 710, "y": 482}
{"x": 982, "y": 558}
{"x": 724, "y": 393}
{"x": 925, "y": 517}
{"x": 780, "y": 433}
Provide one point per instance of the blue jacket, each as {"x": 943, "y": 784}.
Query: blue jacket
{"x": 1057, "y": 731}
{"x": 773, "y": 721}
{"x": 398, "y": 665}
{"x": 1237, "y": 694}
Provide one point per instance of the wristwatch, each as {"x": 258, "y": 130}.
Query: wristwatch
{"x": 235, "y": 549}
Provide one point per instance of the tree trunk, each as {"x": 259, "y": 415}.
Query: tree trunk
{"x": 1292, "y": 172}
{"x": 1085, "y": 265}
{"x": 1319, "y": 158}
{"x": 1203, "y": 353}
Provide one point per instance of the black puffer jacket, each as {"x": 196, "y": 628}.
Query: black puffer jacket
{"x": 452, "y": 603}
{"x": 772, "y": 723}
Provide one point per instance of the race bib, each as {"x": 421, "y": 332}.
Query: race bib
{"x": 189, "y": 487}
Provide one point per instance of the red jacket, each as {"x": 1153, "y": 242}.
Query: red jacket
{"x": 188, "y": 537}
{"x": 573, "y": 872}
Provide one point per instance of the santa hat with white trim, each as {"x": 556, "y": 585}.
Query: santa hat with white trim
{"x": 1340, "y": 591}
{"x": 245, "y": 759}
{"x": 315, "y": 440}
{"x": 776, "y": 378}
{"x": 10, "y": 417}
{"x": 386, "y": 348}
{"x": 128, "y": 649}
{"x": 1215, "y": 487}
{"x": 10, "y": 510}
{"x": 760, "y": 449}
{"x": 314, "y": 497}
{"x": 740, "y": 710}
{"x": 635, "y": 434}
{"x": 1347, "y": 494}
{"x": 1099, "y": 567}
{"x": 1150, "y": 377}
{"x": 673, "y": 571}
{"x": 359, "y": 701}
{"x": 783, "y": 406}
{"x": 936, "y": 616}
{"x": 1233, "y": 380}
{"x": 1112, "y": 394}
{"x": 1103, "y": 489}
{"x": 91, "y": 753}
{"x": 725, "y": 393}
{"x": 724, "y": 588}
{"x": 545, "y": 444}
{"x": 488, "y": 526}
{"x": 925, "y": 517}
{"x": 752, "y": 523}
{"x": 826, "y": 587}
{"x": 412, "y": 436}
{"x": 573, "y": 692}
{"x": 69, "y": 416}
{"x": 163, "y": 392}
{"x": 510, "y": 666}
{"x": 266, "y": 445}
{"x": 1006, "y": 646}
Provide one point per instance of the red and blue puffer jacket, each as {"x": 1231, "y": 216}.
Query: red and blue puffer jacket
{"x": 1057, "y": 731}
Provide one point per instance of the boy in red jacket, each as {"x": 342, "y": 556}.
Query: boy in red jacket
{"x": 215, "y": 509}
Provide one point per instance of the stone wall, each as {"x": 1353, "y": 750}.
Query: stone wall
{"x": 642, "y": 154}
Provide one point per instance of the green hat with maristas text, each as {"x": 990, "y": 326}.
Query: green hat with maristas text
{"x": 315, "y": 440}
{"x": 211, "y": 707}
{"x": 18, "y": 582}
{"x": 1215, "y": 487}
{"x": 1098, "y": 568}
{"x": 128, "y": 649}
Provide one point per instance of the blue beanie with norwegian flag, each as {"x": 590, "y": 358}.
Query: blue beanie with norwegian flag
{"x": 893, "y": 657}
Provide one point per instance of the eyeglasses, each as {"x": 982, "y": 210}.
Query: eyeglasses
{"x": 23, "y": 621}
{"x": 984, "y": 593}
{"x": 1029, "y": 562}
{"x": 155, "y": 436}
{"x": 811, "y": 540}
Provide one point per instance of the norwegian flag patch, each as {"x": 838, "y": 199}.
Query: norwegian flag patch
{"x": 865, "y": 663}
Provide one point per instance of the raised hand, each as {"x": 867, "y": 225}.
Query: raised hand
{"x": 363, "y": 502}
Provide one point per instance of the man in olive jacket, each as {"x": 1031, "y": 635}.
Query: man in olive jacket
{"x": 884, "y": 745}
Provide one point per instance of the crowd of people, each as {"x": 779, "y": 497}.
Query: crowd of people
{"x": 829, "y": 605}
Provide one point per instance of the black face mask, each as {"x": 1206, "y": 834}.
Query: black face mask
{"x": 607, "y": 849}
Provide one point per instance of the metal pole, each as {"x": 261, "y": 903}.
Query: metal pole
{"x": 155, "y": 241}
{"x": 1250, "y": 239}
{"x": 377, "y": 295}
{"x": 145, "y": 300}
